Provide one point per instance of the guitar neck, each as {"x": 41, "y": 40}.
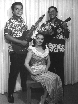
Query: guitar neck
{"x": 61, "y": 23}
{"x": 34, "y": 27}
{"x": 68, "y": 19}
{"x": 30, "y": 33}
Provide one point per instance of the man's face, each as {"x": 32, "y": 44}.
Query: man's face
{"x": 18, "y": 10}
{"x": 52, "y": 13}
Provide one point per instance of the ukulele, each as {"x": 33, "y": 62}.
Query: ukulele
{"x": 49, "y": 36}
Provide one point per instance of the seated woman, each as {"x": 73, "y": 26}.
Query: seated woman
{"x": 37, "y": 62}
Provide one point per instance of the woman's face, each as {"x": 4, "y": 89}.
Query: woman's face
{"x": 39, "y": 39}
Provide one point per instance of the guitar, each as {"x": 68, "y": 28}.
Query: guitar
{"x": 26, "y": 36}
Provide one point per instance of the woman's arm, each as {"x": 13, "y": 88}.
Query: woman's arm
{"x": 27, "y": 60}
{"x": 48, "y": 63}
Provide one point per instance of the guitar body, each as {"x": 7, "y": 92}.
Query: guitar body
{"x": 19, "y": 48}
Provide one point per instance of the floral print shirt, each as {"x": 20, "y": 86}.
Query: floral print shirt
{"x": 56, "y": 35}
{"x": 15, "y": 28}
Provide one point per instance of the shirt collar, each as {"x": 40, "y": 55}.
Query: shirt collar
{"x": 16, "y": 18}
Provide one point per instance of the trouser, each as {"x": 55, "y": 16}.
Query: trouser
{"x": 17, "y": 65}
{"x": 57, "y": 64}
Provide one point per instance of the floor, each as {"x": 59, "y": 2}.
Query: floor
{"x": 70, "y": 96}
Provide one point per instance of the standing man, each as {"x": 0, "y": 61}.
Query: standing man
{"x": 14, "y": 29}
{"x": 56, "y": 31}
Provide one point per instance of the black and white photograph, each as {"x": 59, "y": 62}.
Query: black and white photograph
{"x": 39, "y": 52}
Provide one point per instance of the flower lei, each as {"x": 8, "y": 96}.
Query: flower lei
{"x": 42, "y": 55}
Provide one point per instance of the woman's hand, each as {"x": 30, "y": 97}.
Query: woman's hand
{"x": 33, "y": 72}
{"x": 37, "y": 72}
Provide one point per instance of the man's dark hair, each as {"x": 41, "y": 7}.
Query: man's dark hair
{"x": 16, "y": 3}
{"x": 52, "y": 7}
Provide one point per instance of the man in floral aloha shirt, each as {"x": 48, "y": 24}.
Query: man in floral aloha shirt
{"x": 56, "y": 31}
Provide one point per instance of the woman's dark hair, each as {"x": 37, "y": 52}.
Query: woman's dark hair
{"x": 52, "y": 7}
{"x": 16, "y": 3}
{"x": 44, "y": 43}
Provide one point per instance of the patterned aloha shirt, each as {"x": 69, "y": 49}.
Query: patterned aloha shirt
{"x": 55, "y": 34}
{"x": 15, "y": 28}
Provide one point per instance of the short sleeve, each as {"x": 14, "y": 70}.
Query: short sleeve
{"x": 7, "y": 28}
